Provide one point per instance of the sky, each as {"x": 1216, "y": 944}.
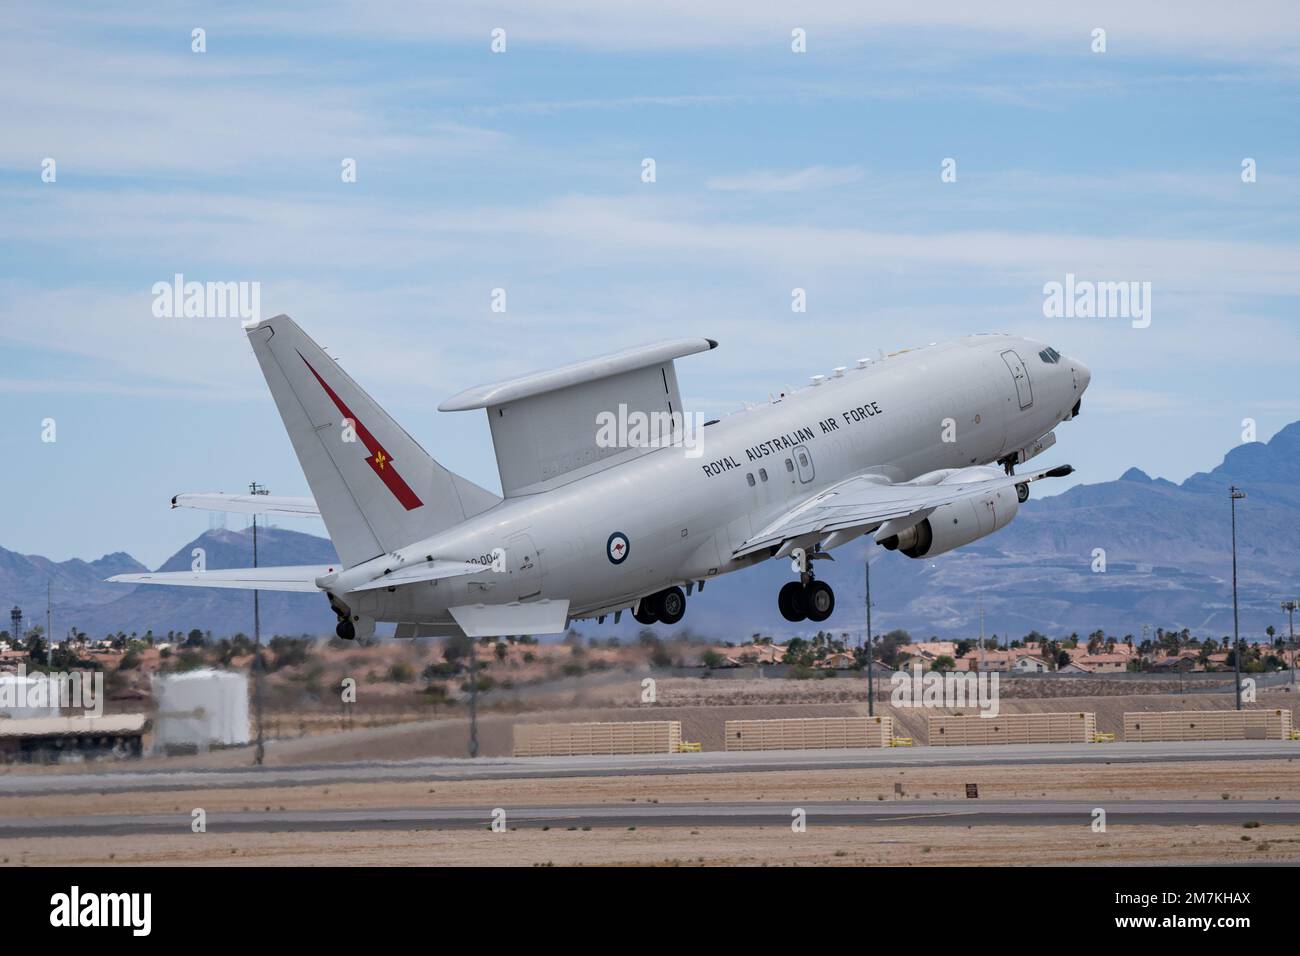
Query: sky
{"x": 523, "y": 170}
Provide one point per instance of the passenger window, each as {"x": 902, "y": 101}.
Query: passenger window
{"x": 789, "y": 465}
{"x": 803, "y": 459}
{"x": 762, "y": 473}
{"x": 750, "y": 478}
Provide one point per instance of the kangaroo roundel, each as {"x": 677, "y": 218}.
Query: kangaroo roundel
{"x": 617, "y": 547}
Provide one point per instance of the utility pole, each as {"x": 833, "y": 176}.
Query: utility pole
{"x": 49, "y": 628}
{"x": 1234, "y": 495}
{"x": 255, "y": 489}
{"x": 1290, "y": 608}
{"x": 871, "y": 652}
{"x": 473, "y": 696}
{"x": 981, "y": 632}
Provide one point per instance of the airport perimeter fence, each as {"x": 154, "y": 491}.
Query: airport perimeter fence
{"x": 604, "y": 739}
{"x": 1059, "y": 728}
{"x": 813, "y": 733}
{"x": 1272, "y": 724}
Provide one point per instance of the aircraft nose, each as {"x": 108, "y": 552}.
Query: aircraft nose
{"x": 1084, "y": 375}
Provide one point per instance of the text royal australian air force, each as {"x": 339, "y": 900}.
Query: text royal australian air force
{"x": 800, "y": 436}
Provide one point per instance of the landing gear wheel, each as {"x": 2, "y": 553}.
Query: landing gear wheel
{"x": 1022, "y": 492}
{"x": 346, "y": 631}
{"x": 819, "y": 599}
{"x": 670, "y": 605}
{"x": 791, "y": 603}
{"x": 645, "y": 612}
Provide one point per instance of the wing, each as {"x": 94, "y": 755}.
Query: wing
{"x": 494, "y": 620}
{"x": 293, "y": 578}
{"x": 869, "y": 501}
{"x": 248, "y": 504}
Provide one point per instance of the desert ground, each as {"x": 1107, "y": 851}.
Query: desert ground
{"x": 392, "y": 725}
{"x": 1241, "y": 841}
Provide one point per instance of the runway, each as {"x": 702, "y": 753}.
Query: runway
{"x": 117, "y": 778}
{"x": 968, "y": 813}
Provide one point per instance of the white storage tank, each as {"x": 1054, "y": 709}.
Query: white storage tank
{"x": 202, "y": 708}
{"x": 25, "y": 696}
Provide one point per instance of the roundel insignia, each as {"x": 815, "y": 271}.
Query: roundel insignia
{"x": 617, "y": 547}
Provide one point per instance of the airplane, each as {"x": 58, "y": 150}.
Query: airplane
{"x": 918, "y": 449}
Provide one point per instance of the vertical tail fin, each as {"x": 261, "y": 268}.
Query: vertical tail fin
{"x": 376, "y": 488}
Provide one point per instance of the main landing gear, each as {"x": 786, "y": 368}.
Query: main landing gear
{"x": 807, "y": 598}
{"x": 1022, "y": 488}
{"x": 665, "y": 607}
{"x": 814, "y": 601}
{"x": 345, "y": 629}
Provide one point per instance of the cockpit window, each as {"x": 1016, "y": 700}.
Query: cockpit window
{"x": 1050, "y": 355}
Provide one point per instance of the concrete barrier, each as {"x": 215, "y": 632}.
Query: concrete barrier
{"x": 813, "y": 733}
{"x": 1068, "y": 728}
{"x": 1208, "y": 725}
{"x": 571, "y": 740}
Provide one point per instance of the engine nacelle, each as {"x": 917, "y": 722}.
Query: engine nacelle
{"x": 956, "y": 524}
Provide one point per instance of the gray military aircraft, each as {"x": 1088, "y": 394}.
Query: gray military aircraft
{"x": 613, "y": 502}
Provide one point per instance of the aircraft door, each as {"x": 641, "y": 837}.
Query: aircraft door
{"x": 1024, "y": 391}
{"x": 803, "y": 463}
{"x": 525, "y": 566}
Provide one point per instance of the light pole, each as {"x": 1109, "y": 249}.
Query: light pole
{"x": 871, "y": 662}
{"x": 1290, "y": 608}
{"x": 256, "y": 489}
{"x": 473, "y": 696}
{"x": 1234, "y": 493}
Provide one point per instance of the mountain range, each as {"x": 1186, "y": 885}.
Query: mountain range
{"x": 1166, "y": 546}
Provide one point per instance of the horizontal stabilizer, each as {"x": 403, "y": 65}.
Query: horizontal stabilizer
{"x": 248, "y": 504}
{"x": 500, "y": 620}
{"x": 429, "y": 571}
{"x": 294, "y": 578}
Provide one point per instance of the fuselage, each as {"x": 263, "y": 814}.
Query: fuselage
{"x": 675, "y": 515}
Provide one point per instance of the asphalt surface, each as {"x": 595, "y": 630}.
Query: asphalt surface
{"x": 903, "y": 812}
{"x": 161, "y": 778}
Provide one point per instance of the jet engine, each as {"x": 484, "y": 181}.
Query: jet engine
{"x": 956, "y": 524}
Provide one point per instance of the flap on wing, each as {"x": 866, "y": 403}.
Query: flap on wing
{"x": 863, "y": 502}
{"x": 499, "y": 620}
{"x": 548, "y": 425}
{"x": 248, "y": 504}
{"x": 292, "y": 578}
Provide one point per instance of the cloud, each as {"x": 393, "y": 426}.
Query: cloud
{"x": 135, "y": 109}
{"x": 1204, "y": 28}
